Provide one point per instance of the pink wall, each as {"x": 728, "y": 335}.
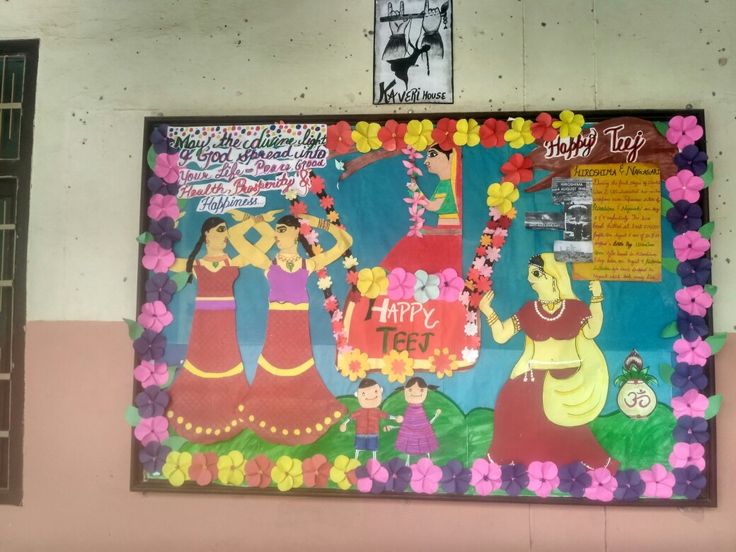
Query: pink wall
{"x": 76, "y": 484}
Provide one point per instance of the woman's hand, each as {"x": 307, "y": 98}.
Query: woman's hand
{"x": 595, "y": 288}
{"x": 485, "y": 303}
{"x": 268, "y": 216}
{"x": 238, "y": 216}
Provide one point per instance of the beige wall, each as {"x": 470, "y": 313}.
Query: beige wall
{"x": 106, "y": 64}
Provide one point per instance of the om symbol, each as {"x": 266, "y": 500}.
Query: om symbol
{"x": 640, "y": 398}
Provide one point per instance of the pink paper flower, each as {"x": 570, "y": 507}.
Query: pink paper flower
{"x": 684, "y": 186}
{"x": 688, "y": 454}
{"x": 683, "y": 131}
{"x": 153, "y": 429}
{"x": 694, "y": 300}
{"x": 401, "y": 284}
{"x": 155, "y": 316}
{"x": 658, "y": 481}
{"x": 150, "y": 373}
{"x": 167, "y": 167}
{"x": 692, "y": 352}
{"x": 376, "y": 473}
{"x": 450, "y": 285}
{"x": 485, "y": 476}
{"x": 157, "y": 258}
{"x": 601, "y": 486}
{"x": 425, "y": 476}
{"x": 161, "y": 206}
{"x": 690, "y": 245}
{"x": 691, "y": 403}
{"x": 543, "y": 478}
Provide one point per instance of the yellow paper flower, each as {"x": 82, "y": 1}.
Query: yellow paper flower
{"x": 502, "y": 196}
{"x": 485, "y": 240}
{"x": 353, "y": 364}
{"x": 519, "y": 134}
{"x": 230, "y": 468}
{"x": 442, "y": 362}
{"x": 332, "y": 216}
{"x": 372, "y": 282}
{"x": 365, "y": 136}
{"x": 570, "y": 124}
{"x": 467, "y": 133}
{"x": 176, "y": 468}
{"x": 397, "y": 366}
{"x": 287, "y": 473}
{"x": 419, "y": 134}
{"x": 340, "y": 471}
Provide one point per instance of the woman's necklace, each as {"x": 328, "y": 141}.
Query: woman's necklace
{"x": 545, "y": 317}
{"x": 215, "y": 261}
{"x": 288, "y": 261}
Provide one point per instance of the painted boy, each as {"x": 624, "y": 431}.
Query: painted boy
{"x": 367, "y": 417}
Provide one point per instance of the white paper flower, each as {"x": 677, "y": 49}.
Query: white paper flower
{"x": 471, "y": 329}
{"x": 470, "y": 355}
{"x": 290, "y": 194}
{"x": 350, "y": 262}
{"x": 324, "y": 282}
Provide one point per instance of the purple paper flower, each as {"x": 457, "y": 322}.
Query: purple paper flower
{"x": 630, "y": 485}
{"x": 152, "y": 401}
{"x": 150, "y": 345}
{"x": 159, "y": 139}
{"x": 159, "y": 287}
{"x": 694, "y": 272}
{"x": 157, "y": 186}
{"x": 574, "y": 479}
{"x": 514, "y": 478}
{"x": 372, "y": 477}
{"x": 685, "y": 216}
{"x": 455, "y": 478}
{"x": 691, "y": 429}
{"x": 689, "y": 482}
{"x": 164, "y": 232}
{"x": 688, "y": 376}
{"x": 153, "y": 456}
{"x": 693, "y": 159}
{"x": 153, "y": 429}
{"x": 399, "y": 475}
{"x": 691, "y": 327}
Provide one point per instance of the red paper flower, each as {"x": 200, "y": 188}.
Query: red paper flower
{"x": 543, "y": 129}
{"x": 517, "y": 169}
{"x": 317, "y": 184}
{"x": 258, "y": 471}
{"x": 204, "y": 468}
{"x": 391, "y": 135}
{"x": 475, "y": 298}
{"x": 484, "y": 284}
{"x": 326, "y": 202}
{"x": 491, "y": 133}
{"x": 339, "y": 138}
{"x": 473, "y": 274}
{"x": 316, "y": 471}
{"x": 298, "y": 209}
{"x": 497, "y": 241}
{"x": 443, "y": 133}
{"x": 352, "y": 277}
{"x": 480, "y": 251}
{"x": 330, "y": 303}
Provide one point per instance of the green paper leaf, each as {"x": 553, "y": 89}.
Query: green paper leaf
{"x": 151, "y": 158}
{"x": 144, "y": 238}
{"x": 132, "y": 416}
{"x": 714, "y": 405}
{"x": 172, "y": 372}
{"x": 670, "y": 264}
{"x": 711, "y": 289}
{"x": 661, "y": 127}
{"x": 707, "y": 176}
{"x": 174, "y": 442}
{"x": 716, "y": 342}
{"x": 180, "y": 279}
{"x": 135, "y": 330}
{"x": 666, "y": 205}
{"x": 707, "y": 229}
{"x": 181, "y": 203}
{"x": 665, "y": 372}
{"x": 670, "y": 330}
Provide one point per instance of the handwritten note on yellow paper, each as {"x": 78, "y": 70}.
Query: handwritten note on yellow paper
{"x": 627, "y": 231}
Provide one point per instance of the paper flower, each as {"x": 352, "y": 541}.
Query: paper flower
{"x": 399, "y": 475}
{"x": 342, "y": 473}
{"x": 658, "y": 482}
{"x": 159, "y": 137}
{"x": 324, "y": 283}
{"x": 443, "y": 133}
{"x": 570, "y": 124}
{"x": 230, "y": 468}
{"x": 684, "y": 186}
{"x": 690, "y": 245}
{"x": 151, "y": 373}
{"x": 687, "y": 376}
{"x": 153, "y": 429}
{"x": 450, "y": 285}
{"x": 683, "y": 131}
{"x": 692, "y": 352}
{"x": 689, "y": 482}
{"x": 630, "y": 485}
{"x": 455, "y": 478}
{"x": 694, "y": 272}
{"x": 467, "y": 133}
{"x": 287, "y": 473}
{"x": 203, "y": 470}
{"x": 155, "y": 316}
{"x": 167, "y": 167}
{"x": 158, "y": 186}
{"x": 349, "y": 262}
{"x": 514, "y": 478}
{"x": 542, "y": 129}
{"x": 397, "y": 366}
{"x": 691, "y": 430}
{"x": 372, "y": 477}
{"x": 425, "y": 476}
{"x": 485, "y": 476}
{"x": 574, "y": 479}
{"x": 520, "y": 133}
{"x": 400, "y": 284}
{"x": 164, "y": 231}
{"x": 418, "y": 134}
{"x": 316, "y": 471}
{"x": 692, "y": 159}
{"x": 470, "y": 354}
{"x": 391, "y": 135}
{"x": 163, "y": 206}
{"x": 157, "y": 258}
{"x": 159, "y": 287}
{"x": 517, "y": 169}
{"x": 543, "y": 478}
{"x": 442, "y": 363}
{"x": 150, "y": 345}
{"x": 339, "y": 138}
{"x": 502, "y": 196}
{"x": 492, "y": 133}
{"x": 602, "y": 485}
{"x": 316, "y": 184}
{"x": 152, "y": 401}
{"x": 365, "y": 136}
{"x": 691, "y": 327}
{"x": 694, "y": 300}
{"x": 152, "y": 456}
{"x": 426, "y": 287}
{"x": 685, "y": 216}
{"x": 353, "y": 365}
{"x": 687, "y": 454}
{"x": 372, "y": 282}
{"x": 176, "y": 468}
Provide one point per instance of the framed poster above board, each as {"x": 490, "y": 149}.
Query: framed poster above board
{"x": 473, "y": 306}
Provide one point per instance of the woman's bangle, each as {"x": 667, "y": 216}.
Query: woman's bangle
{"x": 247, "y": 216}
{"x": 492, "y": 318}
{"x": 258, "y": 218}
{"x": 596, "y": 298}
{"x": 323, "y": 224}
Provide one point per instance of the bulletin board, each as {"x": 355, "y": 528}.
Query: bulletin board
{"x": 475, "y": 306}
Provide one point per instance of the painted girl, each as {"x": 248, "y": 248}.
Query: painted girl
{"x": 416, "y": 435}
